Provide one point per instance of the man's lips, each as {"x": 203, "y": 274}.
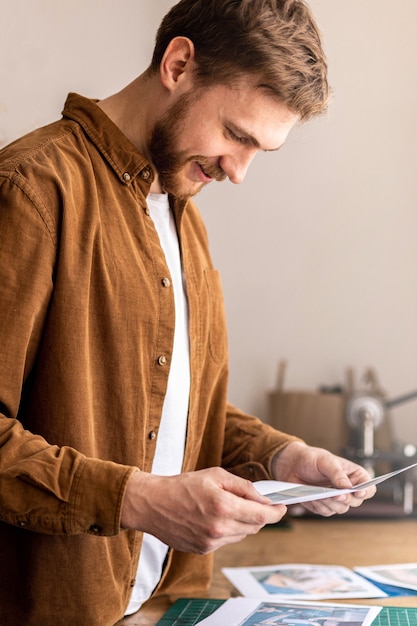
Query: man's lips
{"x": 210, "y": 173}
{"x": 205, "y": 176}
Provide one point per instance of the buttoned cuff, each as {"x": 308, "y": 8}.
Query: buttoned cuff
{"x": 97, "y": 496}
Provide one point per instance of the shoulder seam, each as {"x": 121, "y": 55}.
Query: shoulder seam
{"x": 15, "y": 178}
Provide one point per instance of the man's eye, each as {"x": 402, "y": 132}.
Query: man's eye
{"x": 236, "y": 137}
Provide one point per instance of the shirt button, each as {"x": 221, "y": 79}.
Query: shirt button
{"x": 95, "y": 529}
{"x": 145, "y": 174}
{"x": 126, "y": 176}
{"x": 147, "y": 211}
{"x": 22, "y": 524}
{"x": 166, "y": 282}
{"x": 162, "y": 360}
{"x": 152, "y": 435}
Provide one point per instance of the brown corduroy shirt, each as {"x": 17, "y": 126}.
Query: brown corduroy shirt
{"x": 86, "y": 334}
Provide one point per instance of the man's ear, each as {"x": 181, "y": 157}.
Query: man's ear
{"x": 177, "y": 63}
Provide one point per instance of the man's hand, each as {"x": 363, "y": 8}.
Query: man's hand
{"x": 300, "y": 463}
{"x": 197, "y": 511}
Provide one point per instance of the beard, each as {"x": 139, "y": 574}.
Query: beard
{"x": 169, "y": 162}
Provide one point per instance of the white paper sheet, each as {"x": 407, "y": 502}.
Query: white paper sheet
{"x": 402, "y": 575}
{"x": 249, "y": 612}
{"x": 301, "y": 581}
{"x": 281, "y": 492}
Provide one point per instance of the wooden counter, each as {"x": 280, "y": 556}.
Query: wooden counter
{"x": 332, "y": 541}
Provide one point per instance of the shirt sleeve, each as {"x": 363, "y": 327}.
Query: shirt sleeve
{"x": 43, "y": 487}
{"x": 250, "y": 445}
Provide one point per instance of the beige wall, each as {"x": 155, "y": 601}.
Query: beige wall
{"x": 318, "y": 247}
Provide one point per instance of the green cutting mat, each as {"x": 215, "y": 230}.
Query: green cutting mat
{"x": 188, "y": 612}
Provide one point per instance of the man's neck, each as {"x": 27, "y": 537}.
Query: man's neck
{"x": 133, "y": 111}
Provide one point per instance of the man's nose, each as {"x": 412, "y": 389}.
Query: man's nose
{"x": 235, "y": 166}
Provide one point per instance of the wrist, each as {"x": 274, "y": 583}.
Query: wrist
{"x": 284, "y": 456}
{"x": 135, "y": 491}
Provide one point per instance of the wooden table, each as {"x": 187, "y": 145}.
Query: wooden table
{"x": 334, "y": 541}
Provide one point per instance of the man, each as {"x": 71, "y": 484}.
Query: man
{"x": 122, "y": 465}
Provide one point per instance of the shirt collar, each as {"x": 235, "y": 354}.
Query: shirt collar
{"x": 120, "y": 153}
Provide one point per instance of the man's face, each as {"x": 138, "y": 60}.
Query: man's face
{"x": 213, "y": 134}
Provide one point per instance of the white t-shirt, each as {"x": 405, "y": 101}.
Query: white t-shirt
{"x": 172, "y": 431}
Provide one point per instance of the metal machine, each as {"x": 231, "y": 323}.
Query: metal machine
{"x": 365, "y": 413}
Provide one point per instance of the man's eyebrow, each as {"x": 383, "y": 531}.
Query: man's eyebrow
{"x": 242, "y": 132}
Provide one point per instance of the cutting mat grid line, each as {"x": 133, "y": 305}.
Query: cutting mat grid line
{"x": 391, "y": 616}
{"x": 188, "y": 612}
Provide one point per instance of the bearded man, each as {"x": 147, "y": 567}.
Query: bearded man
{"x": 122, "y": 465}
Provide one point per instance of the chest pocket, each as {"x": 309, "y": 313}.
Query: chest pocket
{"x": 216, "y": 316}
